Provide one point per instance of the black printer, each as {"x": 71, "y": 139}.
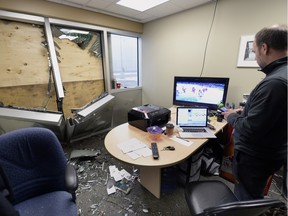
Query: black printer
{"x": 148, "y": 115}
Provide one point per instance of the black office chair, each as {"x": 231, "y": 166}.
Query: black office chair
{"x": 35, "y": 178}
{"x": 215, "y": 198}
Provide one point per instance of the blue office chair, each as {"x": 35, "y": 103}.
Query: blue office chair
{"x": 205, "y": 198}
{"x": 36, "y": 179}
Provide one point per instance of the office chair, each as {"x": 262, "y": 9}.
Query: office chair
{"x": 34, "y": 176}
{"x": 215, "y": 198}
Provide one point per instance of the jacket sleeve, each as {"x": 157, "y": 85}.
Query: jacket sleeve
{"x": 266, "y": 106}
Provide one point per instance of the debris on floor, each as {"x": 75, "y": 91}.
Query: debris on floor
{"x": 95, "y": 168}
{"x": 82, "y": 153}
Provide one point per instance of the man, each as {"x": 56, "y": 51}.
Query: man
{"x": 260, "y": 130}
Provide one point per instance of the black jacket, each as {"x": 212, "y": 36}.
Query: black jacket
{"x": 261, "y": 129}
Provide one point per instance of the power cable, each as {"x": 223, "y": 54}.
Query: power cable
{"x": 208, "y": 37}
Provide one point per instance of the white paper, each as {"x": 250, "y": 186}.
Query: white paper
{"x": 145, "y": 152}
{"x": 125, "y": 174}
{"x": 117, "y": 176}
{"x": 133, "y": 155}
{"x": 112, "y": 170}
{"x": 181, "y": 141}
{"x": 115, "y": 173}
{"x": 131, "y": 145}
{"x": 111, "y": 190}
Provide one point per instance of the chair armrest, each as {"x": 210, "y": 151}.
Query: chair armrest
{"x": 71, "y": 180}
{"x": 248, "y": 207}
{"x": 6, "y": 207}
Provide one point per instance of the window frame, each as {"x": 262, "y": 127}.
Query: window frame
{"x": 47, "y": 22}
{"x": 138, "y": 58}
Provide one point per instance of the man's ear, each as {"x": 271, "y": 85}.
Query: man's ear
{"x": 265, "y": 48}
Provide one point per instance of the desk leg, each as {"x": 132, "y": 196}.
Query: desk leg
{"x": 150, "y": 178}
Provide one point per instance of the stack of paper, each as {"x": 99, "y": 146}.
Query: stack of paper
{"x": 134, "y": 148}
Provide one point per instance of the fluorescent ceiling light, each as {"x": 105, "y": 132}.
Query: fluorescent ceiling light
{"x": 141, "y": 5}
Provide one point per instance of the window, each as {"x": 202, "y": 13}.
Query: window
{"x": 124, "y": 61}
{"x": 79, "y": 55}
{"x": 29, "y": 65}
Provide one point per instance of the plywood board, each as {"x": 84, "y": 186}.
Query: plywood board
{"x": 24, "y": 61}
{"x": 77, "y": 95}
{"x": 32, "y": 96}
{"x": 77, "y": 64}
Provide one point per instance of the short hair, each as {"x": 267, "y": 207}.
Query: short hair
{"x": 274, "y": 36}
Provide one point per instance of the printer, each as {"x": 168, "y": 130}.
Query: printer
{"x": 148, "y": 115}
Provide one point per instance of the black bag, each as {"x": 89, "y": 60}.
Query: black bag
{"x": 211, "y": 159}
{"x": 209, "y": 166}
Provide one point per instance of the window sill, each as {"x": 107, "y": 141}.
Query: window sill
{"x": 125, "y": 89}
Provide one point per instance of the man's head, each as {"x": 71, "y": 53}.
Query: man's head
{"x": 270, "y": 44}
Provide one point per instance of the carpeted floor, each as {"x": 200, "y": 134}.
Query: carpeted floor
{"x": 131, "y": 198}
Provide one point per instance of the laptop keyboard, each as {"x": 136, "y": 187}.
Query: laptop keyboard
{"x": 200, "y": 130}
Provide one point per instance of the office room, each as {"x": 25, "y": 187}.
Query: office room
{"x": 203, "y": 41}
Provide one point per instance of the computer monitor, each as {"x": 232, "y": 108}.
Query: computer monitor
{"x": 200, "y": 91}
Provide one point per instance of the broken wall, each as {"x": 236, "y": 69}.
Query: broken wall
{"x": 26, "y": 79}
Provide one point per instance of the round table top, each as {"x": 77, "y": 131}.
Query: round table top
{"x": 125, "y": 132}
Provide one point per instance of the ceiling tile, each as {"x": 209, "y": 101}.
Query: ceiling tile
{"x": 79, "y": 2}
{"x": 110, "y": 7}
{"x": 165, "y": 9}
{"x": 100, "y": 4}
{"x": 188, "y": 4}
{"x": 118, "y": 9}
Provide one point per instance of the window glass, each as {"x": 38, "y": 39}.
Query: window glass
{"x": 124, "y": 62}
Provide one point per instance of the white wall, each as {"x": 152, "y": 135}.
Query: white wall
{"x": 175, "y": 46}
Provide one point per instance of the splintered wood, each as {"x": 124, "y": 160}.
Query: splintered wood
{"x": 24, "y": 69}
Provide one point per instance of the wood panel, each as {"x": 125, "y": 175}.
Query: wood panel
{"x": 77, "y": 95}
{"x": 32, "y": 96}
{"x": 78, "y": 64}
{"x": 23, "y": 60}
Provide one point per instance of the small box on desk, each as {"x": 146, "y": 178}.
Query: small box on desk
{"x": 148, "y": 115}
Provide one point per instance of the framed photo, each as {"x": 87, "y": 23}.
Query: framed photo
{"x": 246, "y": 58}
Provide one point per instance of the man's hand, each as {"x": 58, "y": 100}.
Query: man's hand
{"x": 229, "y": 111}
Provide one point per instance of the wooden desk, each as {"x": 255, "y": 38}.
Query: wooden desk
{"x": 150, "y": 169}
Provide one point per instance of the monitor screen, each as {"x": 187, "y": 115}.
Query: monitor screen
{"x": 200, "y": 91}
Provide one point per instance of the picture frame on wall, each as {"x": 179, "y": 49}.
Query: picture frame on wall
{"x": 246, "y": 56}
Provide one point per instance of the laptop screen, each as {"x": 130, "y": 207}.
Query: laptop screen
{"x": 192, "y": 116}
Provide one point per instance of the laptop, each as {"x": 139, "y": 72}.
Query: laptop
{"x": 193, "y": 121}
